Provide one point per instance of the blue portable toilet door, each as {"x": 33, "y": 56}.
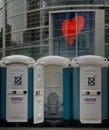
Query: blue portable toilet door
{"x": 17, "y": 92}
{"x": 90, "y": 94}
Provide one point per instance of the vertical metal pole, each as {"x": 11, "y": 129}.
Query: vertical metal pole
{"x": 51, "y": 40}
{"x": 4, "y": 30}
{"x": 76, "y": 34}
{"x": 42, "y": 22}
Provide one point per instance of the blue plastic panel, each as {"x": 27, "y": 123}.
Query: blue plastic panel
{"x": 67, "y": 92}
{"x": 30, "y": 93}
{"x": 105, "y": 94}
{"x": 75, "y": 94}
{"x": 3, "y": 93}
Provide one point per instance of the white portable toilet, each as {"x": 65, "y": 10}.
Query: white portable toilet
{"x": 48, "y": 87}
{"x": 17, "y": 71}
{"x": 90, "y": 89}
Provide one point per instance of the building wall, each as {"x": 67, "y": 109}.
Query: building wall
{"x": 27, "y": 24}
{"x": 99, "y": 33}
{"x": 1, "y": 24}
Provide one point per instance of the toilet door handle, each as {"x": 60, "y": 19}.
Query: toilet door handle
{"x": 24, "y": 92}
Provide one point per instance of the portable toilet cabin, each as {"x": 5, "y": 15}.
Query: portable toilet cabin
{"x": 52, "y": 79}
{"x": 90, "y": 89}
{"x": 17, "y": 88}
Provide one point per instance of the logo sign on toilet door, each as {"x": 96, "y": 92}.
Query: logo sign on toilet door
{"x": 91, "y": 80}
{"x": 16, "y": 98}
{"x": 17, "y": 79}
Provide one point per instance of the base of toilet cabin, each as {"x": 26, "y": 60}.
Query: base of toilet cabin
{"x": 77, "y": 123}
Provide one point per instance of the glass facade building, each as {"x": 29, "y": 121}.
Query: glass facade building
{"x": 53, "y": 27}
{"x": 1, "y": 25}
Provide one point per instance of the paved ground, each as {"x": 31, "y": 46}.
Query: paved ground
{"x": 52, "y": 126}
{"x": 33, "y": 128}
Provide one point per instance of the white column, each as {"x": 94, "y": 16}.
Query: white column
{"x": 76, "y": 34}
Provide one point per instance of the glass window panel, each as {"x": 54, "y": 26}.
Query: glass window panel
{"x": 33, "y": 4}
{"x": 64, "y": 29}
